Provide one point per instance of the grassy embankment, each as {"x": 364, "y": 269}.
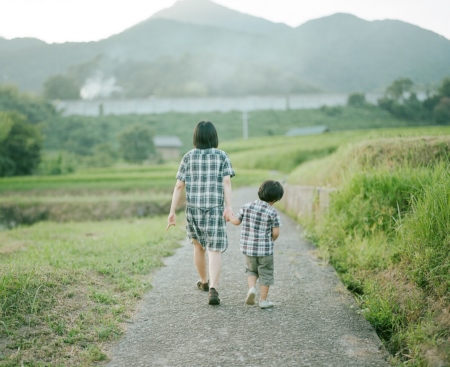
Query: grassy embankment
{"x": 387, "y": 235}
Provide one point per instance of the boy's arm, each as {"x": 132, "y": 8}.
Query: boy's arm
{"x": 275, "y": 232}
{"x": 171, "y": 219}
{"x": 234, "y": 220}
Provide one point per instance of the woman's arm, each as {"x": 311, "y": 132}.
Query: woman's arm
{"x": 179, "y": 187}
{"x": 228, "y": 211}
{"x": 275, "y": 232}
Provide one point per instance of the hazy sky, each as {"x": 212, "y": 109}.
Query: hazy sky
{"x": 91, "y": 20}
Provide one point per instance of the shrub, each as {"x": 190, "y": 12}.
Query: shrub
{"x": 20, "y": 145}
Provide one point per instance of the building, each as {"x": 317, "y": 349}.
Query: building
{"x": 168, "y": 147}
{"x": 309, "y": 130}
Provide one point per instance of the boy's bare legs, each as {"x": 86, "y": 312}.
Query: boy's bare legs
{"x": 264, "y": 291}
{"x": 200, "y": 261}
{"x": 215, "y": 266}
{"x": 251, "y": 280}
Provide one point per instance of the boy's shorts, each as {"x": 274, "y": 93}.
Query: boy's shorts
{"x": 260, "y": 267}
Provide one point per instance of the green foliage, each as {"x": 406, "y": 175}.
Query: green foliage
{"x": 400, "y": 100}
{"x": 356, "y": 100}
{"x": 35, "y": 109}
{"x": 61, "y": 87}
{"x": 280, "y": 157}
{"x": 104, "y": 156}
{"x": 442, "y": 111}
{"x": 80, "y": 134}
{"x": 373, "y": 201}
{"x": 20, "y": 145}
{"x": 386, "y": 233}
{"x": 410, "y": 148}
{"x": 76, "y": 134}
{"x": 398, "y": 89}
{"x": 331, "y": 111}
{"x": 444, "y": 88}
{"x": 136, "y": 143}
{"x": 425, "y": 236}
{"x": 57, "y": 164}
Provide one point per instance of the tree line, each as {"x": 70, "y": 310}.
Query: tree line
{"x": 401, "y": 101}
{"x": 36, "y": 138}
{"x": 25, "y": 120}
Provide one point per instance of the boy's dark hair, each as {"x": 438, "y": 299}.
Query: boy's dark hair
{"x": 205, "y": 136}
{"x": 270, "y": 191}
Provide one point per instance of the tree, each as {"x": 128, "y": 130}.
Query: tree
{"x": 35, "y": 109}
{"x": 104, "y": 156}
{"x": 444, "y": 89}
{"x": 20, "y": 145}
{"x": 441, "y": 112}
{"x": 356, "y": 100}
{"x": 61, "y": 87}
{"x": 401, "y": 101}
{"x": 398, "y": 89}
{"x": 136, "y": 143}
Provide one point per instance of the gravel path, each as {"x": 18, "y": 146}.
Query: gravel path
{"x": 314, "y": 321}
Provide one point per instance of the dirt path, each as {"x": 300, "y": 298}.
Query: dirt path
{"x": 314, "y": 321}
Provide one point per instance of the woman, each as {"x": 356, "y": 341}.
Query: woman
{"x": 206, "y": 173}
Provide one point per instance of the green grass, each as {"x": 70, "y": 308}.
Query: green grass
{"x": 67, "y": 288}
{"x": 155, "y": 178}
{"x": 388, "y": 148}
{"x": 386, "y": 233}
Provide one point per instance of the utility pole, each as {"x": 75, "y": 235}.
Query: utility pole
{"x": 245, "y": 125}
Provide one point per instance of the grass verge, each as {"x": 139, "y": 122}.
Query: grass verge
{"x": 386, "y": 233}
{"x": 67, "y": 289}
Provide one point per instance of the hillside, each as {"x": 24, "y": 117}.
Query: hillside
{"x": 205, "y": 12}
{"x": 343, "y": 50}
{"x": 231, "y": 53}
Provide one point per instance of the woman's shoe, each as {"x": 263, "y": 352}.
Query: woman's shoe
{"x": 213, "y": 297}
{"x": 203, "y": 286}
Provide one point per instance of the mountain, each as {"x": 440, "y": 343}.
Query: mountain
{"x": 197, "y": 47}
{"x": 18, "y": 44}
{"x": 343, "y": 50}
{"x": 206, "y": 12}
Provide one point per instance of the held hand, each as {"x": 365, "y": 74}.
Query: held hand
{"x": 227, "y": 213}
{"x": 171, "y": 221}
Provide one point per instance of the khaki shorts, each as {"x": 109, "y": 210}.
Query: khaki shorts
{"x": 260, "y": 267}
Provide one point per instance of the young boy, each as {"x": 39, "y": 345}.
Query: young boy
{"x": 260, "y": 228}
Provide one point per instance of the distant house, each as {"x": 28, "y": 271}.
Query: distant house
{"x": 309, "y": 130}
{"x": 168, "y": 147}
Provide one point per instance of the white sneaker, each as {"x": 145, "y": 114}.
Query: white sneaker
{"x": 265, "y": 304}
{"x": 251, "y": 296}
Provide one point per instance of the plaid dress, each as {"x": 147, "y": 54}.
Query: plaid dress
{"x": 202, "y": 171}
{"x": 257, "y": 220}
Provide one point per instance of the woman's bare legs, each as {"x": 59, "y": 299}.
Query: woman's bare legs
{"x": 200, "y": 261}
{"x": 215, "y": 265}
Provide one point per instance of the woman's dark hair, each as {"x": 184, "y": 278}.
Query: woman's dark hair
{"x": 270, "y": 191}
{"x": 205, "y": 136}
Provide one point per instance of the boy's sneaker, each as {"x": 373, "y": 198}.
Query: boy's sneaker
{"x": 203, "y": 286}
{"x": 213, "y": 297}
{"x": 250, "y": 300}
{"x": 265, "y": 304}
